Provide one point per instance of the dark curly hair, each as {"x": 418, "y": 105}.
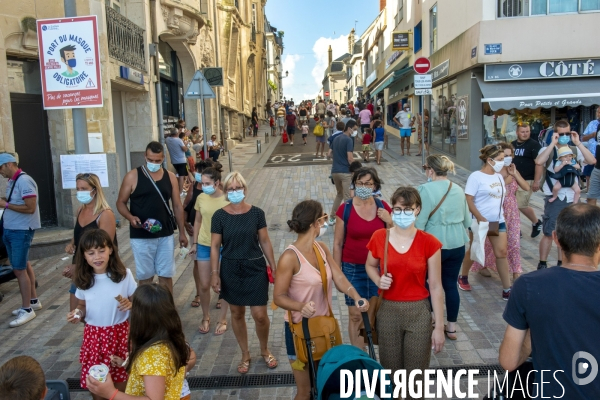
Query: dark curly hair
{"x": 304, "y": 215}
{"x": 84, "y": 273}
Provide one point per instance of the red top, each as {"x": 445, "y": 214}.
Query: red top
{"x": 370, "y": 108}
{"x": 409, "y": 270}
{"x": 271, "y": 122}
{"x": 366, "y": 138}
{"x": 358, "y": 234}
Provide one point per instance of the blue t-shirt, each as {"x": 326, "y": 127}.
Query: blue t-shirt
{"x": 558, "y": 306}
{"x": 379, "y": 132}
{"x": 342, "y": 144}
{"x": 25, "y": 187}
{"x": 332, "y": 137}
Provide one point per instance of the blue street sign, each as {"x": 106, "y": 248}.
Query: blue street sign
{"x": 494, "y": 48}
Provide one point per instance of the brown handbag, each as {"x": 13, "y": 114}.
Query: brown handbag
{"x": 494, "y": 227}
{"x": 324, "y": 330}
{"x": 441, "y": 201}
{"x": 375, "y": 301}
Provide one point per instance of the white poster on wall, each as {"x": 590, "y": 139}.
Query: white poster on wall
{"x": 73, "y": 164}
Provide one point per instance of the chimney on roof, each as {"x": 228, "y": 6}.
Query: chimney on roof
{"x": 381, "y": 5}
{"x": 330, "y": 55}
{"x": 351, "y": 42}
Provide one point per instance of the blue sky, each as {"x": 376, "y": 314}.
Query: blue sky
{"x": 310, "y": 26}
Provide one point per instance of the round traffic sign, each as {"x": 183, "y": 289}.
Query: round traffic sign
{"x": 422, "y": 65}
{"x": 327, "y": 94}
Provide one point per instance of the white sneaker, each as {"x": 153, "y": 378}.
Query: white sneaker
{"x": 23, "y": 317}
{"x": 35, "y": 307}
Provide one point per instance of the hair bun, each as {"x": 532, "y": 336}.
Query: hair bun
{"x": 293, "y": 224}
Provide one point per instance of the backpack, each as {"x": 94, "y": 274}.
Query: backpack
{"x": 552, "y": 161}
{"x": 348, "y": 210}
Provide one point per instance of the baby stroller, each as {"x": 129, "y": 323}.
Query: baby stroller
{"x": 325, "y": 384}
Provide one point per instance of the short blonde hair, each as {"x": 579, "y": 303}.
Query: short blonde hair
{"x": 94, "y": 182}
{"x": 234, "y": 176}
{"x": 440, "y": 164}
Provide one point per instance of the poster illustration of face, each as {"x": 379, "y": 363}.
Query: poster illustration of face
{"x": 69, "y": 58}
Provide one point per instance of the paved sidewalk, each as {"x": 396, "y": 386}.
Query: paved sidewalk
{"x": 56, "y": 344}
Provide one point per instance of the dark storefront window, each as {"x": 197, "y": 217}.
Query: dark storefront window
{"x": 171, "y": 82}
{"x": 443, "y": 118}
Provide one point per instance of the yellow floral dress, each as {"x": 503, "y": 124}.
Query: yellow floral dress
{"x": 156, "y": 361}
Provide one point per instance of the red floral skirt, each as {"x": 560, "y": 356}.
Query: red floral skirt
{"x": 101, "y": 342}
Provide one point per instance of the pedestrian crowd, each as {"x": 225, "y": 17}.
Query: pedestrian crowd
{"x": 409, "y": 256}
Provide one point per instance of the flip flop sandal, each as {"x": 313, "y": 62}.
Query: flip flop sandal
{"x": 196, "y": 301}
{"x": 218, "y": 306}
{"x": 219, "y": 325}
{"x": 202, "y": 324}
{"x": 271, "y": 361}
{"x": 450, "y": 334}
{"x": 244, "y": 366}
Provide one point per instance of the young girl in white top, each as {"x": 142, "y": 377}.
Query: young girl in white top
{"x": 304, "y": 131}
{"x": 104, "y": 290}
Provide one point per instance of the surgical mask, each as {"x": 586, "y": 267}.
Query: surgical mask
{"x": 403, "y": 221}
{"x": 323, "y": 230}
{"x": 208, "y": 189}
{"x": 498, "y": 165}
{"x": 85, "y": 196}
{"x": 152, "y": 167}
{"x": 563, "y": 139}
{"x": 407, "y": 109}
{"x": 354, "y": 133}
{"x": 72, "y": 62}
{"x": 363, "y": 193}
{"x": 198, "y": 176}
{"x": 507, "y": 161}
{"x": 236, "y": 197}
{"x": 429, "y": 179}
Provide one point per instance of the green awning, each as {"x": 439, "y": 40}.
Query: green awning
{"x": 391, "y": 79}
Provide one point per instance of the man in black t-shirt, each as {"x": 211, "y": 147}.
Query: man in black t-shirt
{"x": 552, "y": 315}
{"x": 526, "y": 151}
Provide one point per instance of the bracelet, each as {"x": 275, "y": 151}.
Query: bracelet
{"x": 114, "y": 394}
{"x": 6, "y": 205}
{"x": 351, "y": 287}
{"x": 213, "y": 271}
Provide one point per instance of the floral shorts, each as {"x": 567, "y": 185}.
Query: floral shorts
{"x": 101, "y": 342}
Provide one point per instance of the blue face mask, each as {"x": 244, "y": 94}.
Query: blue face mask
{"x": 563, "y": 139}
{"x": 403, "y": 221}
{"x": 72, "y": 62}
{"x": 209, "y": 190}
{"x": 198, "y": 177}
{"x": 152, "y": 167}
{"x": 84, "y": 197}
{"x": 236, "y": 197}
{"x": 429, "y": 179}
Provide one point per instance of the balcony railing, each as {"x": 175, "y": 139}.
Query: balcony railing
{"x": 253, "y": 36}
{"x": 125, "y": 40}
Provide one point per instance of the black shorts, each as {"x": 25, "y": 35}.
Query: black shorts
{"x": 291, "y": 130}
{"x": 181, "y": 169}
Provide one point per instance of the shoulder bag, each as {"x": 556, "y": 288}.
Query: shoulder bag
{"x": 441, "y": 201}
{"x": 318, "y": 131}
{"x": 324, "y": 330}
{"x": 375, "y": 301}
{"x": 494, "y": 227}
{"x": 171, "y": 218}
{"x": 2, "y": 245}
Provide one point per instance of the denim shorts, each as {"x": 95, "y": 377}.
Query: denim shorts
{"x": 17, "y": 244}
{"x": 357, "y": 276}
{"x": 203, "y": 252}
{"x": 153, "y": 257}
{"x": 289, "y": 341}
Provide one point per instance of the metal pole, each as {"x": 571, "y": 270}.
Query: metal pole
{"x": 258, "y": 147}
{"x": 423, "y": 130}
{"x": 217, "y": 62}
{"x": 203, "y": 119}
{"x": 158, "y": 92}
{"x": 230, "y": 161}
{"x": 80, "y": 132}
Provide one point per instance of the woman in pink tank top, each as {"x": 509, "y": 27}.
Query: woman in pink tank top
{"x": 299, "y": 287}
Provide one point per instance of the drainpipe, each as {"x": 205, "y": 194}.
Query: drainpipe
{"x": 159, "y": 110}
{"x": 218, "y": 62}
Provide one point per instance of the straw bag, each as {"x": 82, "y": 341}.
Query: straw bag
{"x": 324, "y": 330}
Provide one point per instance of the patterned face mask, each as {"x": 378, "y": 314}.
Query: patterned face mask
{"x": 363, "y": 193}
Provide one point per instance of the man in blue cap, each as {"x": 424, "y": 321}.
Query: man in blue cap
{"x": 20, "y": 219}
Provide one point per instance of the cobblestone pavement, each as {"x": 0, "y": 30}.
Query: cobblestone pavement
{"x": 56, "y": 344}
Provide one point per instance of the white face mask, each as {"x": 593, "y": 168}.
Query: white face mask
{"x": 507, "y": 161}
{"x": 497, "y": 166}
{"x": 354, "y": 133}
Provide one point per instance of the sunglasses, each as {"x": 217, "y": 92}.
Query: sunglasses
{"x": 565, "y": 134}
{"x": 325, "y": 217}
{"x": 85, "y": 175}
{"x": 426, "y": 167}
{"x": 523, "y": 124}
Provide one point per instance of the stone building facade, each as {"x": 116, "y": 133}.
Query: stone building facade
{"x": 150, "y": 49}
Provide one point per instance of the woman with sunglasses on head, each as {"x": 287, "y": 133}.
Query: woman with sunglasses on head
{"x": 242, "y": 279}
{"x": 513, "y": 180}
{"x": 94, "y": 213}
{"x": 445, "y": 215}
{"x": 299, "y": 285}
{"x": 207, "y": 203}
{"x": 485, "y": 191}
{"x": 404, "y": 327}
{"x": 356, "y": 221}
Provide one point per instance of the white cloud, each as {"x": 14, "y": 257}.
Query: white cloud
{"x": 289, "y": 64}
{"x": 339, "y": 47}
